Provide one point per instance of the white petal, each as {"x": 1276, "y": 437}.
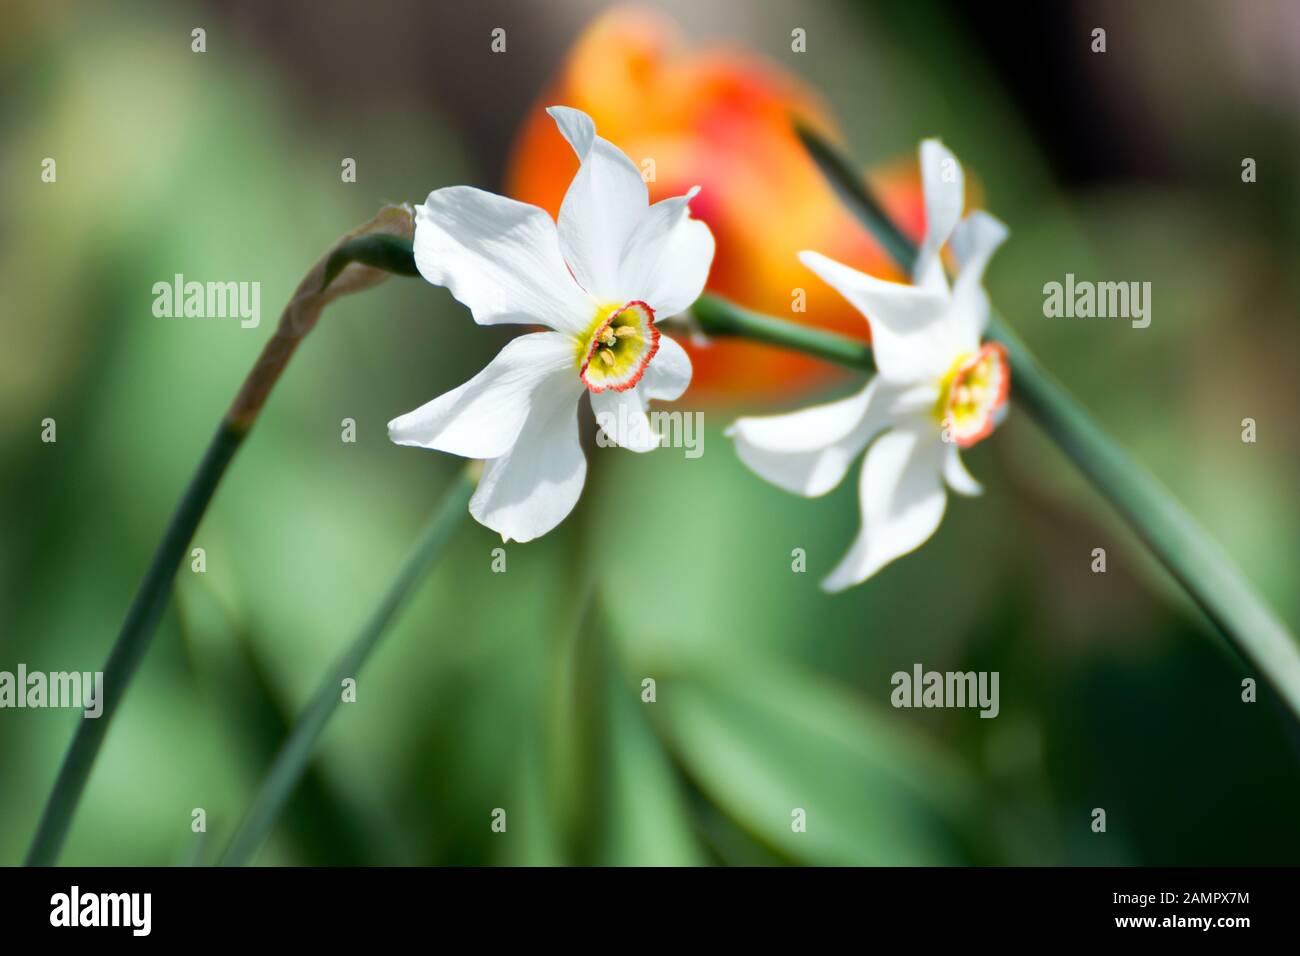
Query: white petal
{"x": 533, "y": 487}
{"x": 956, "y": 475}
{"x": 808, "y": 452}
{"x": 944, "y": 184}
{"x": 605, "y": 202}
{"x": 622, "y": 417}
{"x": 669, "y": 372}
{"x": 499, "y": 257}
{"x": 973, "y": 243}
{"x": 902, "y": 499}
{"x": 483, "y": 417}
{"x": 910, "y": 337}
{"x": 667, "y": 258}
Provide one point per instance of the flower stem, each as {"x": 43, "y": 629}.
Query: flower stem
{"x": 1186, "y": 550}
{"x": 132, "y": 642}
{"x": 855, "y": 195}
{"x": 1205, "y": 573}
{"x": 1189, "y": 554}
{"x": 295, "y": 755}
{"x": 719, "y": 317}
{"x": 319, "y": 288}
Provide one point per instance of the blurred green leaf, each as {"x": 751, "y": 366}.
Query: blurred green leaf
{"x": 648, "y": 822}
{"x": 537, "y": 837}
{"x": 623, "y": 805}
{"x": 242, "y": 692}
{"x": 295, "y": 754}
{"x": 762, "y": 741}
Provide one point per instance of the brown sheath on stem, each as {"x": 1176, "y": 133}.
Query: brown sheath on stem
{"x": 300, "y": 315}
{"x": 311, "y": 296}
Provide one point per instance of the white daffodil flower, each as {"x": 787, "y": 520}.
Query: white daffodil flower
{"x": 937, "y": 389}
{"x": 599, "y": 278}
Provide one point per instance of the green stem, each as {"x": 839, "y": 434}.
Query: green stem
{"x": 1191, "y": 556}
{"x": 132, "y": 642}
{"x": 1185, "y": 549}
{"x": 718, "y": 317}
{"x": 857, "y": 198}
{"x": 1212, "y": 581}
{"x": 379, "y": 250}
{"x": 295, "y": 755}
{"x": 324, "y": 283}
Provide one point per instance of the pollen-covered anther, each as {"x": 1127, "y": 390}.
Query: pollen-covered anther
{"x": 973, "y": 395}
{"x": 614, "y": 353}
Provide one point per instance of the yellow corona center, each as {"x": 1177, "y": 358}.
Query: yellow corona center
{"x": 973, "y": 394}
{"x": 617, "y": 347}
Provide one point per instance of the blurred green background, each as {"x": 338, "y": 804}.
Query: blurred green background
{"x": 508, "y": 690}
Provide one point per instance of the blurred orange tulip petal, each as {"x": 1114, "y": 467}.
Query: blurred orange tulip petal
{"x": 719, "y": 118}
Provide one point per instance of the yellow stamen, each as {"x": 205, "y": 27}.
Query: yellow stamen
{"x": 973, "y": 393}
{"x": 625, "y": 338}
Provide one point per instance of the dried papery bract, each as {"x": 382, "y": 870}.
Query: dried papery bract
{"x": 317, "y": 290}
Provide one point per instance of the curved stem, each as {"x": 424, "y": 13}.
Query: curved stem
{"x": 1190, "y": 555}
{"x": 318, "y": 289}
{"x": 1183, "y": 547}
{"x": 1205, "y": 573}
{"x": 295, "y": 755}
{"x": 131, "y": 644}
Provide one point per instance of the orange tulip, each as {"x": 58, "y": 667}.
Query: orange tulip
{"x": 719, "y": 118}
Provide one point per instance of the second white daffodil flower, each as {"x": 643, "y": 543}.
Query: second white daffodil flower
{"x": 937, "y": 389}
{"x": 599, "y": 278}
